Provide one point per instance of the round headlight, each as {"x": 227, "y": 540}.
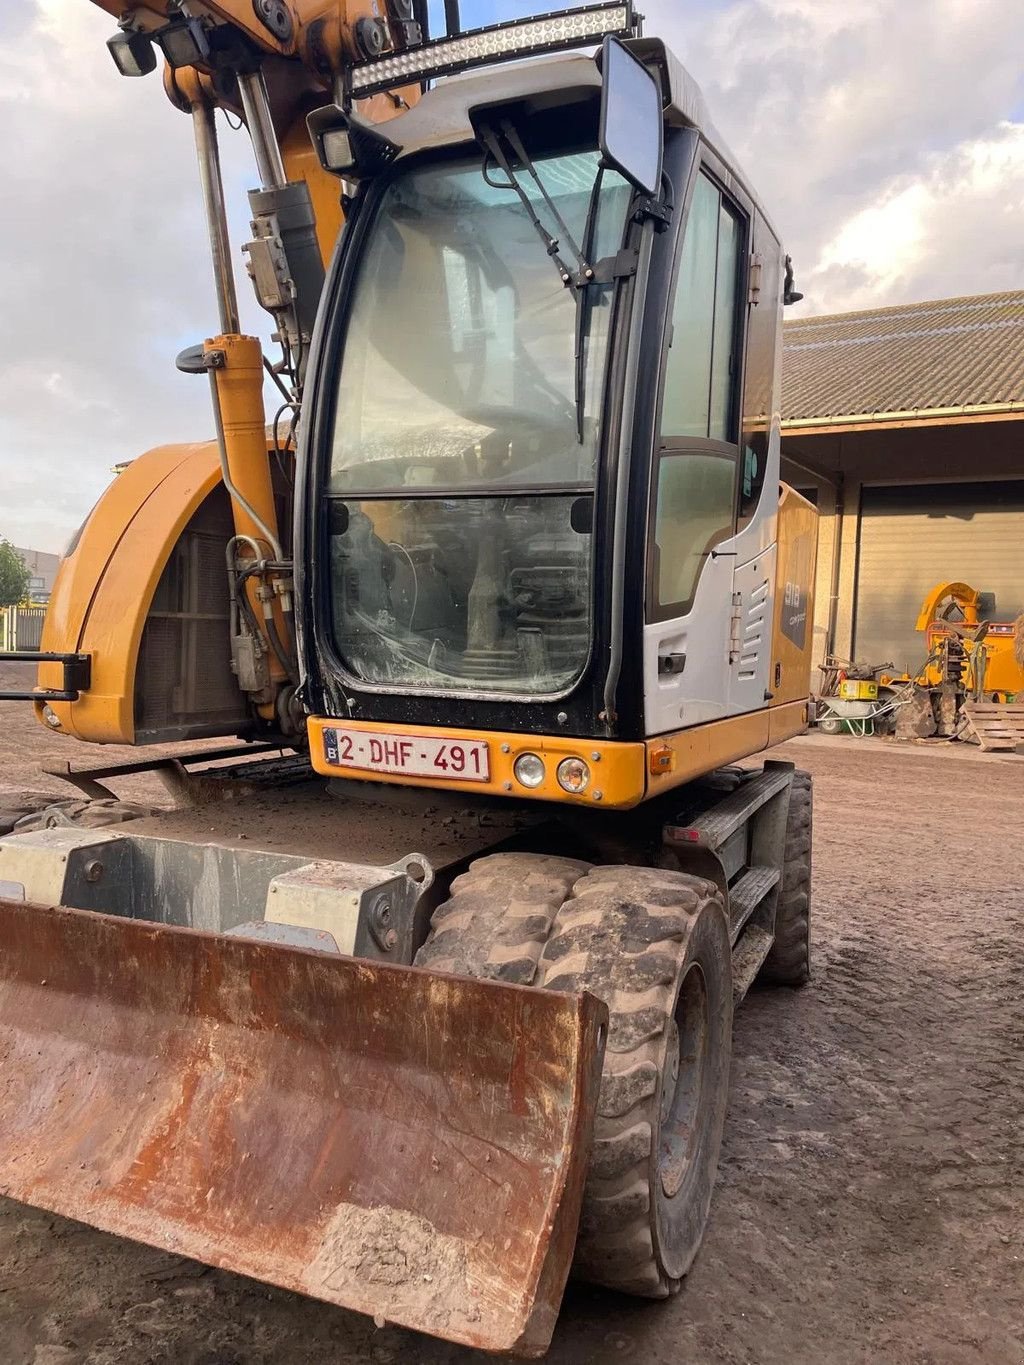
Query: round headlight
{"x": 529, "y": 770}
{"x": 50, "y": 716}
{"x": 573, "y": 775}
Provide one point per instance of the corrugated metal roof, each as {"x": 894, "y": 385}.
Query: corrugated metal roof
{"x": 920, "y": 358}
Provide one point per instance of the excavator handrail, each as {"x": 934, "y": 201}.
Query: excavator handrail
{"x": 77, "y": 675}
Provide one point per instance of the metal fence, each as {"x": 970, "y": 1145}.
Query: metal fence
{"x": 21, "y": 627}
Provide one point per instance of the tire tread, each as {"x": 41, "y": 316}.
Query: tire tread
{"x": 789, "y": 961}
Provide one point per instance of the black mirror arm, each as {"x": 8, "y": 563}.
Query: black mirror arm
{"x": 789, "y": 294}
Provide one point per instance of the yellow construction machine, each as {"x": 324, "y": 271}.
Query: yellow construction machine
{"x": 429, "y": 997}
{"x": 973, "y": 672}
{"x": 982, "y": 658}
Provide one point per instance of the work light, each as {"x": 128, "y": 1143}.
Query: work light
{"x": 498, "y": 42}
{"x": 132, "y": 53}
{"x": 348, "y": 146}
{"x": 184, "y": 43}
{"x": 573, "y": 775}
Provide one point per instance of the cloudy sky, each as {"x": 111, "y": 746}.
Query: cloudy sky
{"x": 886, "y": 136}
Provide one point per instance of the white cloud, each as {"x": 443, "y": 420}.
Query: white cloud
{"x": 954, "y": 228}
{"x": 107, "y": 268}
{"x": 859, "y": 123}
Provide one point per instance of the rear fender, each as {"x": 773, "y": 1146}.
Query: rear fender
{"x": 104, "y": 587}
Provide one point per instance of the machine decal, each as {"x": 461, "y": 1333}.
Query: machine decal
{"x": 794, "y": 614}
{"x": 797, "y": 589}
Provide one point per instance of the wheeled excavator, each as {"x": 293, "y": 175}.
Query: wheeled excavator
{"x": 428, "y": 999}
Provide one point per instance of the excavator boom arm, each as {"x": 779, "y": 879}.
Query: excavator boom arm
{"x": 321, "y": 33}
{"x": 301, "y": 47}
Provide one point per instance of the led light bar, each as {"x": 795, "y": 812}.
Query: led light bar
{"x": 497, "y": 43}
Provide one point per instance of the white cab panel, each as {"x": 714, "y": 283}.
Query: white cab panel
{"x": 726, "y": 636}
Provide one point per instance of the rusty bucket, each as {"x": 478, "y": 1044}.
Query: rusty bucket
{"x": 400, "y": 1142}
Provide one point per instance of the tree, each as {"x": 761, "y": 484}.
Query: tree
{"x": 15, "y": 575}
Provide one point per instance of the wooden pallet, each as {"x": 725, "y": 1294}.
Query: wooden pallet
{"x": 997, "y": 725}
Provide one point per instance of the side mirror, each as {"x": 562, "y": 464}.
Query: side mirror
{"x": 631, "y": 133}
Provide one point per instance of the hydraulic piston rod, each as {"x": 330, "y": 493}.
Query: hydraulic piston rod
{"x": 208, "y": 153}
{"x": 256, "y": 104}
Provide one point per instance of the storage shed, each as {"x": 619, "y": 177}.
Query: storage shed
{"x": 906, "y": 426}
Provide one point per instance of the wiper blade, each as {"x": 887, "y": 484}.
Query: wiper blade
{"x": 495, "y": 151}
{"x": 583, "y": 305}
{"x": 523, "y": 157}
{"x": 583, "y": 278}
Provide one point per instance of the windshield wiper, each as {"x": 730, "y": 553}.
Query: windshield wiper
{"x": 494, "y": 149}
{"x": 584, "y": 276}
{"x": 583, "y": 306}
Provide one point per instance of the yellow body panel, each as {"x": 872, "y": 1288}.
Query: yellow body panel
{"x": 623, "y": 773}
{"x": 104, "y": 588}
{"x": 701, "y": 748}
{"x": 1002, "y": 671}
{"x": 787, "y": 721}
{"x": 792, "y": 629}
{"x": 617, "y": 774}
{"x": 1002, "y": 674}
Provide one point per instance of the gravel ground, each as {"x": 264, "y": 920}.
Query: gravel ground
{"x": 870, "y": 1203}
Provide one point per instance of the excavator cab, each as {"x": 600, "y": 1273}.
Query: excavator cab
{"x": 540, "y": 461}
{"x": 523, "y": 589}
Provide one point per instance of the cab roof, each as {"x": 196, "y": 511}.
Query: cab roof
{"x": 443, "y": 116}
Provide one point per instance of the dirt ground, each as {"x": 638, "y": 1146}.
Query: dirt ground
{"x": 870, "y": 1201}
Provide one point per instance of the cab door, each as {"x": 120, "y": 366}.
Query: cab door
{"x": 709, "y": 577}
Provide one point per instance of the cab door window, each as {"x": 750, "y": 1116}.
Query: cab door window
{"x": 694, "y": 489}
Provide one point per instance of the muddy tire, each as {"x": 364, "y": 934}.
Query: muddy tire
{"x": 789, "y": 962}
{"x": 654, "y": 945}
{"x": 18, "y": 805}
{"x": 498, "y": 916}
{"x": 886, "y": 725}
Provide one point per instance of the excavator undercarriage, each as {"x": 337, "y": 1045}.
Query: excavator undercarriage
{"x": 304, "y": 1106}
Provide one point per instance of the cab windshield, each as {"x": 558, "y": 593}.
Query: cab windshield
{"x": 464, "y": 446}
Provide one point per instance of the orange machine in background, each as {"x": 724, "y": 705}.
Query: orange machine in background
{"x": 990, "y": 650}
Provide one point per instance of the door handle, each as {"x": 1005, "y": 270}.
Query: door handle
{"x": 671, "y": 663}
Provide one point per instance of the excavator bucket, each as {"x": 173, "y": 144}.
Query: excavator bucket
{"x": 400, "y": 1142}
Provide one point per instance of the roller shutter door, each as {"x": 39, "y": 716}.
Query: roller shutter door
{"x": 914, "y": 537}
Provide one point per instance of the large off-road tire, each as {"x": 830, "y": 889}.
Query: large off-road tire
{"x": 789, "y": 962}
{"x": 498, "y": 916}
{"x": 654, "y": 945}
{"x": 17, "y": 805}
{"x": 22, "y": 812}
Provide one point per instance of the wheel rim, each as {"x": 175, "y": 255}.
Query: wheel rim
{"x": 684, "y": 1082}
